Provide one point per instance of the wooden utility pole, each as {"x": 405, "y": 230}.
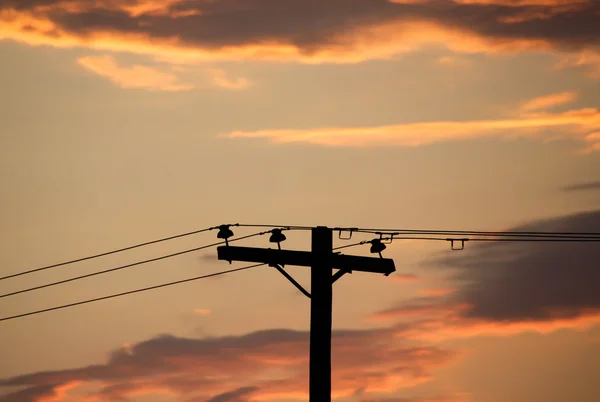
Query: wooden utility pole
{"x": 322, "y": 261}
{"x": 319, "y": 381}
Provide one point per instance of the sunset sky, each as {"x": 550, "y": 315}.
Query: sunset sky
{"x": 123, "y": 121}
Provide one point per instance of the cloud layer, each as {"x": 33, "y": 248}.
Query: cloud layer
{"x": 303, "y": 30}
{"x": 266, "y": 365}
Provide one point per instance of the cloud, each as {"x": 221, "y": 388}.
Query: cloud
{"x": 311, "y": 31}
{"x": 457, "y": 398}
{"x": 581, "y": 125}
{"x": 42, "y": 393}
{"x": 549, "y": 101}
{"x": 436, "y": 291}
{"x": 136, "y": 76}
{"x": 404, "y": 277}
{"x": 264, "y": 365}
{"x": 589, "y": 186}
{"x": 239, "y": 395}
{"x": 507, "y": 288}
{"x": 203, "y": 311}
{"x": 587, "y": 59}
{"x": 220, "y": 79}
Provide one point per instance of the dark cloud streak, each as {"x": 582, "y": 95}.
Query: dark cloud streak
{"x": 531, "y": 281}
{"x": 590, "y": 186}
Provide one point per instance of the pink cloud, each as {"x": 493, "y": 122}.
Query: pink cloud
{"x": 268, "y": 365}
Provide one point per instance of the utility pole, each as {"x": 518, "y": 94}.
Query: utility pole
{"x": 322, "y": 261}
{"x": 321, "y": 289}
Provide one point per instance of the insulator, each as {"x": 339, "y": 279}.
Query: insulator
{"x": 276, "y": 236}
{"x": 224, "y": 233}
{"x": 377, "y": 246}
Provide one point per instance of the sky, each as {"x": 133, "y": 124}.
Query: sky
{"x": 124, "y": 121}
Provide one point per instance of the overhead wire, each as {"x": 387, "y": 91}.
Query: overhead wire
{"x": 476, "y": 239}
{"x": 572, "y": 235}
{"x": 287, "y": 227}
{"x": 47, "y": 285}
{"x": 60, "y": 264}
{"x": 162, "y": 285}
{"x": 404, "y": 234}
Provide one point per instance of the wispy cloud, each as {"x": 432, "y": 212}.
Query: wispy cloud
{"x": 549, "y": 101}
{"x": 580, "y": 125}
{"x": 221, "y": 79}
{"x": 405, "y": 278}
{"x": 136, "y": 76}
{"x": 203, "y": 311}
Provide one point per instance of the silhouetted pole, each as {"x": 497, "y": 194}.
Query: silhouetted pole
{"x": 320, "y": 315}
{"x": 322, "y": 261}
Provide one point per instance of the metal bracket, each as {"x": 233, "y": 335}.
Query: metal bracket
{"x": 390, "y": 239}
{"x": 462, "y": 243}
{"x": 296, "y": 284}
{"x": 349, "y": 236}
{"x": 339, "y": 274}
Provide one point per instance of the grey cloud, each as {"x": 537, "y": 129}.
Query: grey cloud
{"x": 233, "y": 396}
{"x": 32, "y": 394}
{"x": 225, "y": 368}
{"x": 590, "y": 186}
{"x": 531, "y": 281}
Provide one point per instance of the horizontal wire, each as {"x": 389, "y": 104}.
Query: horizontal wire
{"x": 126, "y": 266}
{"x": 288, "y": 227}
{"x": 574, "y": 235}
{"x": 128, "y": 292}
{"x": 107, "y": 253}
{"x": 475, "y": 239}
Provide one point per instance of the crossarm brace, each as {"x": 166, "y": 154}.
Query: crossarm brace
{"x": 339, "y": 274}
{"x": 296, "y": 284}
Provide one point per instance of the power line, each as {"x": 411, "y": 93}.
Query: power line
{"x": 574, "y": 235}
{"x": 125, "y": 266}
{"x": 566, "y": 235}
{"x": 477, "y": 239}
{"x": 60, "y": 264}
{"x": 129, "y": 292}
{"x": 287, "y": 227}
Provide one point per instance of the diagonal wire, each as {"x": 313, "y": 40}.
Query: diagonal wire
{"x": 47, "y": 285}
{"x": 129, "y": 292}
{"x": 60, "y": 264}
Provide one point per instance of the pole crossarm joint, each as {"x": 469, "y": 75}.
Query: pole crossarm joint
{"x": 289, "y": 277}
{"x": 339, "y": 274}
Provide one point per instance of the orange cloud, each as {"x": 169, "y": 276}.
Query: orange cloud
{"x": 456, "y": 326}
{"x": 207, "y": 31}
{"x": 440, "y": 321}
{"x": 549, "y": 101}
{"x": 137, "y": 76}
{"x": 578, "y": 125}
{"x": 203, "y": 311}
{"x": 437, "y": 291}
{"x": 404, "y": 277}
